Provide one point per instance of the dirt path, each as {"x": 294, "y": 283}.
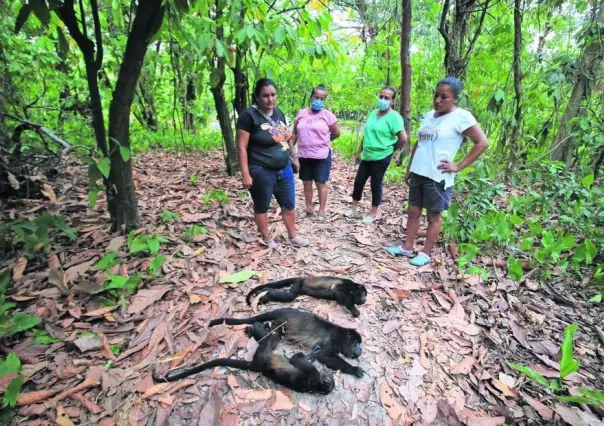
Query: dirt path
{"x": 430, "y": 357}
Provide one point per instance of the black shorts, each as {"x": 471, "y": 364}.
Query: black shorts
{"x": 315, "y": 169}
{"x": 429, "y": 194}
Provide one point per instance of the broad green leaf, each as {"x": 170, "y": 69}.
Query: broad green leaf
{"x": 238, "y": 277}
{"x": 62, "y": 44}
{"x": 138, "y": 245}
{"x": 595, "y": 394}
{"x": 597, "y": 298}
{"x": 24, "y": 13}
{"x": 588, "y": 180}
{"x": 548, "y": 239}
{"x": 581, "y": 400}
{"x": 107, "y": 262}
{"x": 12, "y": 392}
{"x": 516, "y": 220}
{"x": 132, "y": 283}
{"x": 514, "y": 268}
{"x": 22, "y": 322}
{"x": 153, "y": 244}
{"x": 104, "y": 165}
{"x": 157, "y": 263}
{"x": 41, "y": 11}
{"x": 567, "y": 242}
{"x": 590, "y": 251}
{"x": 12, "y": 365}
{"x": 94, "y": 174}
{"x": 4, "y": 280}
{"x": 92, "y": 197}
{"x": 280, "y": 34}
{"x": 125, "y": 153}
{"x": 220, "y": 49}
{"x": 530, "y": 373}
{"x": 115, "y": 281}
{"x": 568, "y": 364}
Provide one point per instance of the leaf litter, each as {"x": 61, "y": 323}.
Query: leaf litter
{"x": 435, "y": 348}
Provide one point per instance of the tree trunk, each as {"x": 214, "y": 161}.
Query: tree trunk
{"x": 93, "y": 64}
{"x": 146, "y": 103}
{"x": 222, "y": 111}
{"x": 406, "y": 67}
{"x": 517, "y": 81}
{"x": 190, "y": 96}
{"x": 240, "y": 103}
{"x": 586, "y": 77}
{"x": 121, "y": 196}
{"x": 455, "y": 23}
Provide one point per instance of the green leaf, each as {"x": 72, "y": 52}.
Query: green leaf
{"x": 590, "y": 251}
{"x": 530, "y": 373}
{"x": 92, "y": 197}
{"x": 94, "y": 174}
{"x": 238, "y": 277}
{"x": 43, "y": 338}
{"x": 157, "y": 263}
{"x": 595, "y": 394}
{"x": 580, "y": 400}
{"x": 567, "y": 242}
{"x": 280, "y": 34}
{"x": 115, "y": 281}
{"x": 104, "y": 165}
{"x": 138, "y": 245}
{"x": 125, "y": 153}
{"x": 597, "y": 298}
{"x": 62, "y": 44}
{"x": 588, "y": 180}
{"x": 22, "y": 322}
{"x": 514, "y": 268}
{"x": 12, "y": 365}
{"x": 499, "y": 96}
{"x": 12, "y": 392}
{"x": 568, "y": 365}
{"x": 153, "y": 244}
{"x": 516, "y": 220}
{"x": 4, "y": 280}
{"x": 24, "y": 13}
{"x": 107, "y": 262}
{"x": 132, "y": 283}
{"x": 41, "y": 11}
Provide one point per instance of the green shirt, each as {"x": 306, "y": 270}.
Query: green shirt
{"x": 380, "y": 135}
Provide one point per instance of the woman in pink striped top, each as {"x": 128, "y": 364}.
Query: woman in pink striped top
{"x": 314, "y": 129}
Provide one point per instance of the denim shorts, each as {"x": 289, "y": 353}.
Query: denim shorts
{"x": 429, "y": 194}
{"x": 315, "y": 169}
{"x": 266, "y": 182}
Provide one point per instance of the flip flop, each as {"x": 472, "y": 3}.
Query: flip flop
{"x": 299, "y": 241}
{"x": 271, "y": 244}
{"x": 400, "y": 251}
{"x": 369, "y": 219}
{"x": 421, "y": 259}
{"x": 350, "y": 213}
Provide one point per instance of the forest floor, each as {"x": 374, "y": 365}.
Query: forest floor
{"x": 435, "y": 345}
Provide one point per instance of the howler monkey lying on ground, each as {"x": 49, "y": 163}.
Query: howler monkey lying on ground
{"x": 342, "y": 290}
{"x": 296, "y": 373}
{"x": 312, "y": 331}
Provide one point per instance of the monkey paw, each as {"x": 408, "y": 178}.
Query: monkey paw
{"x": 358, "y": 371}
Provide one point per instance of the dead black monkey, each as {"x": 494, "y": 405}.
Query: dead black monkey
{"x": 296, "y": 373}
{"x": 346, "y": 292}
{"x": 312, "y": 331}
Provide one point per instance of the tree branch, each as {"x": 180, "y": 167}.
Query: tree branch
{"x": 477, "y": 32}
{"x": 98, "y": 36}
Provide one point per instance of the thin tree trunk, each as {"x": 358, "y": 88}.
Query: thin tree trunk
{"x": 222, "y": 110}
{"x": 517, "y": 81}
{"x": 240, "y": 103}
{"x": 146, "y": 103}
{"x": 190, "y": 96}
{"x": 406, "y": 66}
{"x": 587, "y": 75}
{"x": 121, "y": 196}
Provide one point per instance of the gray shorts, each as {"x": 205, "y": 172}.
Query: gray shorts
{"x": 429, "y": 194}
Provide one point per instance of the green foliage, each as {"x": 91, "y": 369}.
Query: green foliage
{"x": 33, "y": 236}
{"x": 193, "y": 180}
{"x": 568, "y": 365}
{"x": 193, "y": 231}
{"x": 141, "y": 243}
{"x": 119, "y": 282}
{"x": 12, "y": 322}
{"x": 238, "y": 277}
{"x": 168, "y": 217}
{"x": 215, "y": 195}
{"x": 43, "y": 338}
{"x": 107, "y": 262}
{"x": 11, "y": 365}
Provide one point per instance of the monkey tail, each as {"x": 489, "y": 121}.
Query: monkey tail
{"x": 264, "y": 317}
{"x": 275, "y": 284}
{"x": 220, "y": 362}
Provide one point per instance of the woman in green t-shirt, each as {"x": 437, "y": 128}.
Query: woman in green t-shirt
{"x": 384, "y": 133}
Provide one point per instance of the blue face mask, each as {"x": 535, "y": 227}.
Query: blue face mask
{"x": 383, "y": 104}
{"x": 317, "y": 104}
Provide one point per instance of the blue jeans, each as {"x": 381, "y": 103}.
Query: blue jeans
{"x": 267, "y": 182}
{"x": 376, "y": 170}
{"x": 315, "y": 169}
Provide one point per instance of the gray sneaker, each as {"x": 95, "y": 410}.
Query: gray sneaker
{"x": 299, "y": 241}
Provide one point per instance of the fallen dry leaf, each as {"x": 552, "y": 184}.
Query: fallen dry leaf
{"x": 146, "y": 297}
{"x": 115, "y": 244}
{"x": 363, "y": 240}
{"x": 48, "y": 192}
{"x": 569, "y": 415}
{"x": 19, "y": 268}
{"x": 543, "y": 410}
{"x": 281, "y": 402}
{"x": 457, "y": 311}
{"x": 62, "y": 417}
{"x": 390, "y": 326}
{"x": 396, "y": 411}
{"x": 422, "y": 352}
{"x": 99, "y": 312}
{"x": 463, "y": 367}
{"x": 77, "y": 271}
